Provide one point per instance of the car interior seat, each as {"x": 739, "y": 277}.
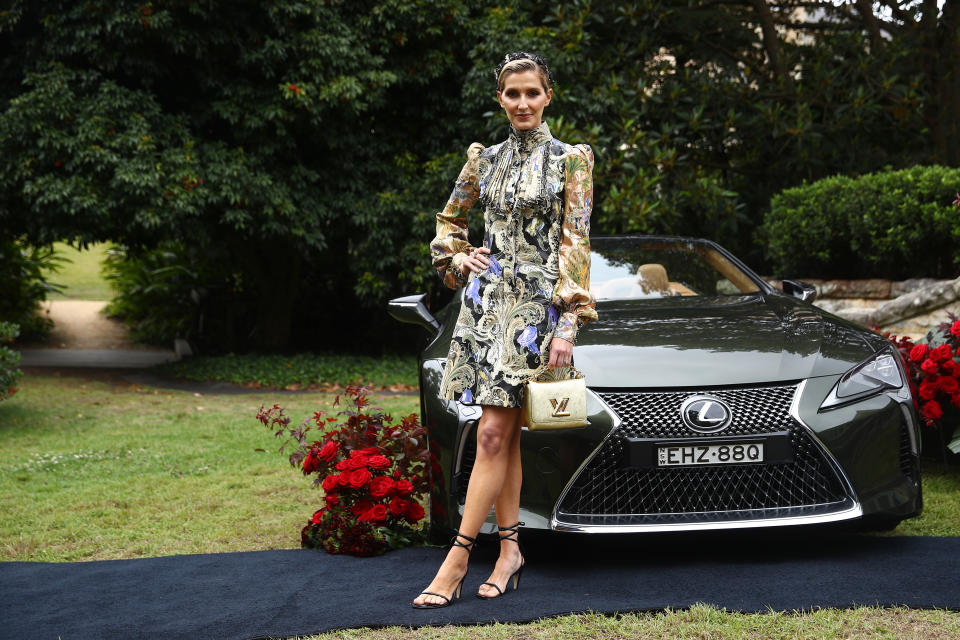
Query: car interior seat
{"x": 652, "y": 278}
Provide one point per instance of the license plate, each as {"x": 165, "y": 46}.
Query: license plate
{"x": 692, "y": 455}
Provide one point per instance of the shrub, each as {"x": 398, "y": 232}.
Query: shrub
{"x": 178, "y": 291}
{"x": 10, "y": 374}
{"x": 890, "y": 224}
{"x": 23, "y": 285}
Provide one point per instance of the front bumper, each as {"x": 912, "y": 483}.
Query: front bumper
{"x": 851, "y": 462}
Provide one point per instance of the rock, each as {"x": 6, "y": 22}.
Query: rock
{"x": 182, "y": 348}
{"x": 874, "y": 288}
{"x": 918, "y": 326}
{"x": 911, "y": 285}
{"x": 917, "y": 302}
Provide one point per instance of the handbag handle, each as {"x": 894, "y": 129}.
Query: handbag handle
{"x": 545, "y": 367}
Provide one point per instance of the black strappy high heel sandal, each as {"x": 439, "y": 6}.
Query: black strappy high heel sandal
{"x": 515, "y": 577}
{"x": 448, "y": 600}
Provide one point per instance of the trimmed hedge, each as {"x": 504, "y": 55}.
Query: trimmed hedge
{"x": 890, "y": 224}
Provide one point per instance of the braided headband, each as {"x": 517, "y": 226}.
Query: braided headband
{"x": 523, "y": 55}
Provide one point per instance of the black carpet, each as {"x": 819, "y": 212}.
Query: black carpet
{"x": 285, "y": 593}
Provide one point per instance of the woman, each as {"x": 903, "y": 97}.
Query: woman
{"x": 527, "y": 293}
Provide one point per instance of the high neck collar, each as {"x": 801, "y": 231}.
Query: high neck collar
{"x": 529, "y": 139}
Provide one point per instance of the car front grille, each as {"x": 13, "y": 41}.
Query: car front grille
{"x": 606, "y": 492}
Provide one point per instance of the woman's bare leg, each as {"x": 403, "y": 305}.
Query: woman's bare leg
{"x": 507, "y": 507}
{"x": 495, "y": 435}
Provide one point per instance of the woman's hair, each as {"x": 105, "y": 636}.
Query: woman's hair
{"x": 520, "y": 61}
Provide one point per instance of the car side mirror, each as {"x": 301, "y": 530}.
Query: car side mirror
{"x": 412, "y": 309}
{"x": 802, "y": 290}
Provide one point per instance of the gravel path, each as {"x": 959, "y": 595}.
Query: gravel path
{"x": 81, "y": 324}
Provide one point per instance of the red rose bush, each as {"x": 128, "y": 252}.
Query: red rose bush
{"x": 934, "y": 373}
{"x": 374, "y": 475}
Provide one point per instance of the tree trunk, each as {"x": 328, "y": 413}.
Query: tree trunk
{"x": 277, "y": 285}
{"x": 865, "y": 7}
{"x": 771, "y": 41}
{"x": 947, "y": 85}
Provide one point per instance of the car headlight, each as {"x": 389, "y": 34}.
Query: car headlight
{"x": 875, "y": 374}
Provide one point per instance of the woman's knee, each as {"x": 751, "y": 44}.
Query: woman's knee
{"x": 495, "y": 434}
{"x": 491, "y": 440}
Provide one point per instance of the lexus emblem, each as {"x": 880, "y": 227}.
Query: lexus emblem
{"x": 705, "y": 414}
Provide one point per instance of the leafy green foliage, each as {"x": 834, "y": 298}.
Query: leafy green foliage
{"x": 300, "y": 371}
{"x": 891, "y": 224}
{"x": 23, "y": 285}
{"x": 176, "y": 291}
{"x": 299, "y": 149}
{"x": 253, "y": 131}
{"x": 10, "y": 373}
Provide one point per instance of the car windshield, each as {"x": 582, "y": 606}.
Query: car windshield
{"x": 639, "y": 268}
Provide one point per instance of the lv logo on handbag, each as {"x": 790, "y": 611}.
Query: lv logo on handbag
{"x": 560, "y": 407}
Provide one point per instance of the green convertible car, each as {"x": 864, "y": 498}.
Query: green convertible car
{"x": 714, "y": 402}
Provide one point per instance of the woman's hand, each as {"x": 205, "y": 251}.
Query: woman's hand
{"x": 476, "y": 261}
{"x": 561, "y": 353}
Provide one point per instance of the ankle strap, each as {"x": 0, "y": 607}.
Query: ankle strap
{"x": 514, "y": 531}
{"x": 454, "y": 542}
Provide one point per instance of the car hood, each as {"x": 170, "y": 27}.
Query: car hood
{"x": 702, "y": 341}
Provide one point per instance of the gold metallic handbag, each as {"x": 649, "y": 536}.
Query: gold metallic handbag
{"x": 558, "y": 402}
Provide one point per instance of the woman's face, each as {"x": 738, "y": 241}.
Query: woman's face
{"x": 523, "y": 99}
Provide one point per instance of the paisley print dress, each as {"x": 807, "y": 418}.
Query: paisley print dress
{"x": 537, "y": 194}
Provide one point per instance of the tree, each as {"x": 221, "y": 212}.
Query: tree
{"x": 251, "y": 131}
{"x": 293, "y": 153}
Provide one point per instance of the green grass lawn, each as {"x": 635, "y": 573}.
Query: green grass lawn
{"x": 80, "y": 273}
{"x": 93, "y": 470}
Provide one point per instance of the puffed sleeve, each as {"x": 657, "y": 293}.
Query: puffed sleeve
{"x": 451, "y": 245}
{"x": 572, "y": 292}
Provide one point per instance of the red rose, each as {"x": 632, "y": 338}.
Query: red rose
{"x": 928, "y": 388}
{"x": 958, "y": 352}
{"x": 941, "y": 353}
{"x": 380, "y": 463}
{"x": 403, "y": 488}
{"x": 331, "y": 483}
{"x": 359, "y": 462}
{"x": 380, "y": 487}
{"x": 396, "y": 474}
{"x": 919, "y": 352}
{"x": 369, "y": 451}
{"x": 329, "y": 451}
{"x": 399, "y": 507}
{"x": 955, "y": 329}
{"x": 361, "y": 507}
{"x": 949, "y": 384}
{"x": 332, "y": 499}
{"x": 359, "y": 478}
{"x": 929, "y": 366}
{"x": 311, "y": 463}
{"x": 378, "y": 513}
{"x": 950, "y": 368}
{"x": 344, "y": 479}
{"x": 317, "y": 516}
{"x": 415, "y": 512}
{"x": 932, "y": 411}
{"x": 344, "y": 465}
